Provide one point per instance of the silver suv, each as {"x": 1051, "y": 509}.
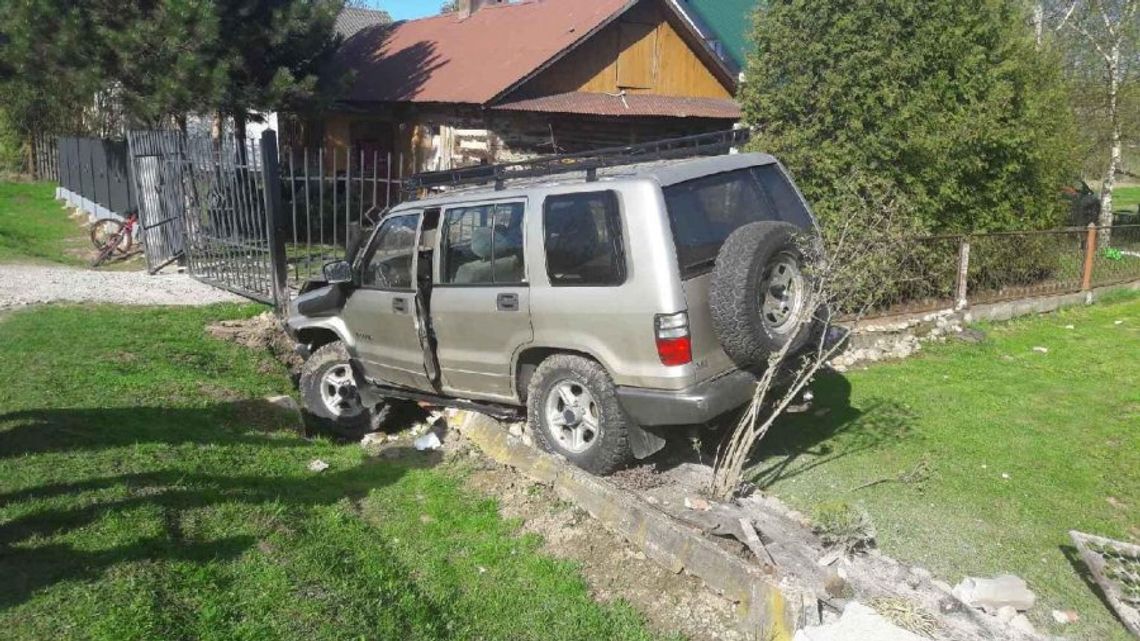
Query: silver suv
{"x": 608, "y": 308}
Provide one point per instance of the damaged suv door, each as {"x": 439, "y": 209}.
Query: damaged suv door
{"x": 382, "y": 311}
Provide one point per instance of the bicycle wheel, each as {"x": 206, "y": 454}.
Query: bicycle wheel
{"x": 109, "y": 248}
{"x": 103, "y": 231}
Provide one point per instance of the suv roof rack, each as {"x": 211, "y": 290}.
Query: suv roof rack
{"x": 586, "y": 161}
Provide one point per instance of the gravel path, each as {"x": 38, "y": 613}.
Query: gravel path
{"x": 31, "y": 284}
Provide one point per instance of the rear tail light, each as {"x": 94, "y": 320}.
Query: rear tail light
{"x": 674, "y": 345}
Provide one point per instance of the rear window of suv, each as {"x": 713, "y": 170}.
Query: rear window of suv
{"x": 705, "y": 211}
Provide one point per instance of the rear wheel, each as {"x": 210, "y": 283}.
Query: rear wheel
{"x": 573, "y": 409}
{"x": 106, "y": 231}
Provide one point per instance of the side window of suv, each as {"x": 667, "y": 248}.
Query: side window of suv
{"x": 483, "y": 245}
{"x": 390, "y": 264}
{"x": 583, "y": 240}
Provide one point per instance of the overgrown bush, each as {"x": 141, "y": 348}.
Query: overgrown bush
{"x": 950, "y": 103}
{"x": 1003, "y": 261}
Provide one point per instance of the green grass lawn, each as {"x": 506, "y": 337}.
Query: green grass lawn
{"x": 143, "y": 495}
{"x": 1126, "y": 198}
{"x": 34, "y": 227}
{"x": 1022, "y": 446}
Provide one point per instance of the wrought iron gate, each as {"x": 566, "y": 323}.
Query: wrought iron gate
{"x": 216, "y": 204}
{"x": 157, "y": 185}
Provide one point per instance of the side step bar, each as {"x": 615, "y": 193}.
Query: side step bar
{"x": 375, "y": 393}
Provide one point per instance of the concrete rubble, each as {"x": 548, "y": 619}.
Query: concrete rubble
{"x": 994, "y": 594}
{"x": 858, "y": 623}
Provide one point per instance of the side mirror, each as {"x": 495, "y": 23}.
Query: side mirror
{"x": 339, "y": 271}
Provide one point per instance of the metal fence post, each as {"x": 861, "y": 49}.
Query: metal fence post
{"x": 1090, "y": 253}
{"x": 963, "y": 273}
{"x": 274, "y": 218}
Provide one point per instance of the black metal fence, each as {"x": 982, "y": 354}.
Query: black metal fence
{"x": 94, "y": 175}
{"x": 325, "y": 194}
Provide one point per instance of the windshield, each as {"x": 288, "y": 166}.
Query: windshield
{"x": 705, "y": 211}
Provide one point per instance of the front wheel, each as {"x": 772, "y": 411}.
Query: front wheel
{"x": 573, "y": 409}
{"x": 330, "y": 393}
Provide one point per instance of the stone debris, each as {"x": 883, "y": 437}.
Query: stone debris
{"x": 317, "y": 465}
{"x": 1070, "y": 326}
{"x": 993, "y": 594}
{"x": 858, "y": 623}
{"x": 1065, "y": 617}
{"x": 373, "y": 438}
{"x": 429, "y": 441}
{"x": 1006, "y": 613}
{"x": 698, "y": 504}
{"x": 286, "y": 403}
{"x": 289, "y": 407}
{"x": 1021, "y": 624}
{"x": 1041, "y": 350}
{"x": 1119, "y": 322}
{"x": 830, "y": 558}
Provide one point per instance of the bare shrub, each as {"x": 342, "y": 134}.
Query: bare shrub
{"x": 853, "y": 266}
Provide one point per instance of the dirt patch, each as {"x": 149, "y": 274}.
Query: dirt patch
{"x": 262, "y": 332}
{"x": 671, "y": 603}
{"x": 614, "y": 570}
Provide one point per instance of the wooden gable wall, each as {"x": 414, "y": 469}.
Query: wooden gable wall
{"x": 640, "y": 52}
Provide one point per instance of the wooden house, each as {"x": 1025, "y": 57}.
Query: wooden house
{"x": 501, "y": 81}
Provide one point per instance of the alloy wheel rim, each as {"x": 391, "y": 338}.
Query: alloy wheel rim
{"x": 573, "y": 417}
{"x": 339, "y": 392}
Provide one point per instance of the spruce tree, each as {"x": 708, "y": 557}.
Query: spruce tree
{"x": 949, "y": 104}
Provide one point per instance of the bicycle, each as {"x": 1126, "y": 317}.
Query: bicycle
{"x": 111, "y": 236}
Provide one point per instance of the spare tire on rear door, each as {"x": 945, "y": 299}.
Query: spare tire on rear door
{"x": 759, "y": 293}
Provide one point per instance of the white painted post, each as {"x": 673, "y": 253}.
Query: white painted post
{"x": 963, "y": 274}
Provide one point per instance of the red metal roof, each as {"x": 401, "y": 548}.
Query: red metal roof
{"x": 603, "y": 104}
{"x": 473, "y": 60}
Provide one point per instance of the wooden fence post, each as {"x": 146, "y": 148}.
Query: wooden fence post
{"x": 963, "y": 273}
{"x": 1090, "y": 254}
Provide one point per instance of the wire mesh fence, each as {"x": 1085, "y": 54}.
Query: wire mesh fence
{"x": 1117, "y": 258}
{"x": 1006, "y": 266}
{"x": 925, "y": 278}
{"x": 942, "y": 272}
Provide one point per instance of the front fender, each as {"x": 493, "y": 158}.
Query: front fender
{"x": 301, "y": 327}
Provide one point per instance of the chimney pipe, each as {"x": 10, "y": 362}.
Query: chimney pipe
{"x": 468, "y": 7}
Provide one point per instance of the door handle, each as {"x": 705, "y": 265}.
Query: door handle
{"x": 400, "y": 305}
{"x": 507, "y": 302}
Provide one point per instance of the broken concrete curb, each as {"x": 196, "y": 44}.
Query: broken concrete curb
{"x": 767, "y": 604}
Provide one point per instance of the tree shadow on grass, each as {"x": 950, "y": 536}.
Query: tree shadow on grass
{"x": 42, "y": 431}
{"x": 830, "y": 430}
{"x": 799, "y": 442}
{"x": 30, "y": 561}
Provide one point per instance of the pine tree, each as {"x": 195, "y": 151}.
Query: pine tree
{"x": 275, "y": 55}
